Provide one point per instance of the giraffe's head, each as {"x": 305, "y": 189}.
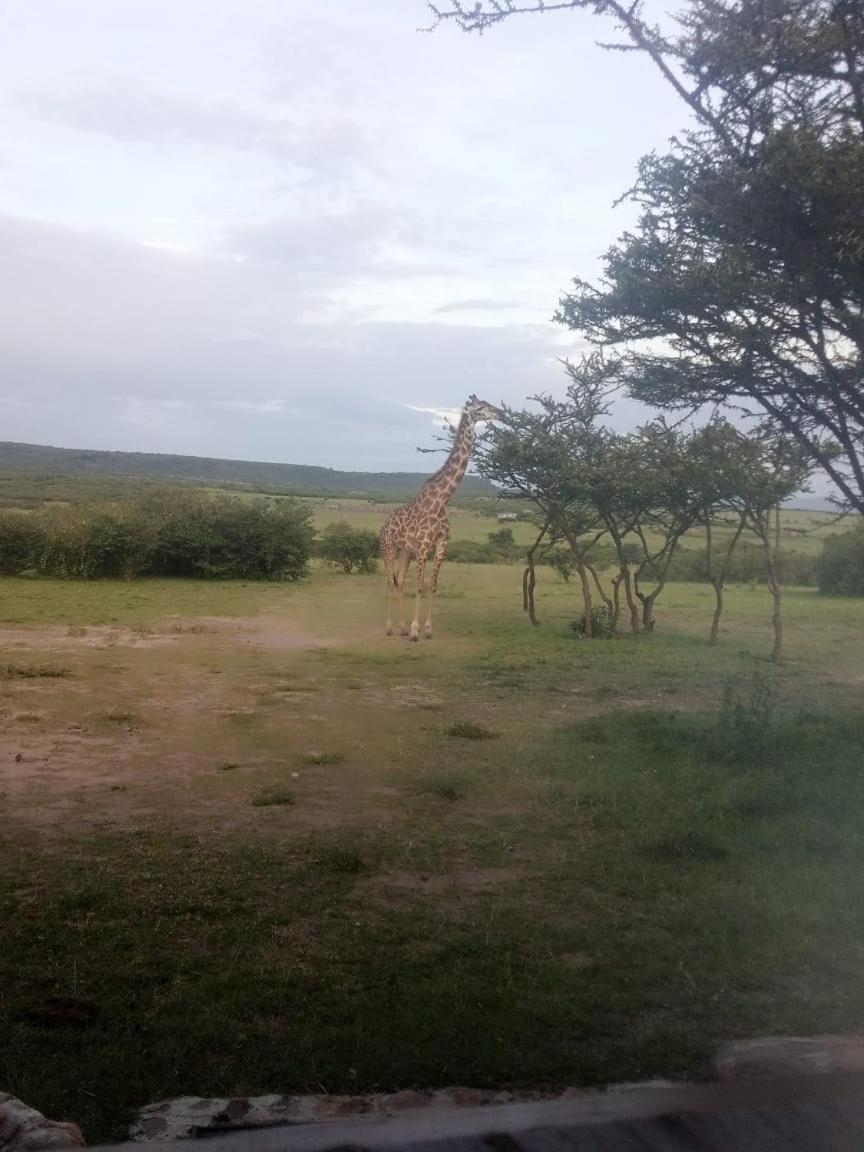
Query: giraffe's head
{"x": 476, "y": 409}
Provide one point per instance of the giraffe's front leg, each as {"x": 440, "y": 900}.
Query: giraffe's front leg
{"x": 401, "y": 571}
{"x": 440, "y": 557}
{"x": 420, "y": 586}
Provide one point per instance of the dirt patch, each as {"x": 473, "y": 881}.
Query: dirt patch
{"x": 274, "y": 633}
{"x": 466, "y": 882}
{"x": 59, "y": 639}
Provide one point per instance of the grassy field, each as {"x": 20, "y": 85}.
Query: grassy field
{"x": 250, "y": 844}
{"x": 802, "y": 530}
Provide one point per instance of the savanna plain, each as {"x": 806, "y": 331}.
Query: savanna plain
{"x": 251, "y": 844}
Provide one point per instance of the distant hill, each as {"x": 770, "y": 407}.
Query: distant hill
{"x": 811, "y": 504}
{"x": 78, "y": 463}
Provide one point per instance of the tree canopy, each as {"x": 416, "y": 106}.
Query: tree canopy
{"x": 742, "y": 283}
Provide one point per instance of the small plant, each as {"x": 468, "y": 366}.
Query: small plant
{"x": 446, "y": 786}
{"x": 34, "y": 672}
{"x": 318, "y": 759}
{"x": 271, "y": 797}
{"x": 745, "y": 728}
{"x": 467, "y": 730}
{"x": 227, "y": 766}
{"x": 601, "y": 623}
{"x": 120, "y": 717}
{"x": 340, "y": 859}
{"x": 687, "y": 846}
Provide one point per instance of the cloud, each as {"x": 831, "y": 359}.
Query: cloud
{"x": 134, "y": 111}
{"x": 137, "y": 358}
{"x": 441, "y": 415}
{"x": 479, "y": 306}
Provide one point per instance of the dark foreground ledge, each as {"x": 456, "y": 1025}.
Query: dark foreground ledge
{"x": 795, "y": 1114}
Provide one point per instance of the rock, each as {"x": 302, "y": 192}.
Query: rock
{"x": 193, "y": 1115}
{"x": 409, "y": 1098}
{"x": 766, "y": 1057}
{"x": 23, "y": 1129}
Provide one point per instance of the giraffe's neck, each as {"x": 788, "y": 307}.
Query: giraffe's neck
{"x": 446, "y": 480}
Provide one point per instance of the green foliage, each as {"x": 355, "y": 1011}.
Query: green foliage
{"x": 747, "y": 566}
{"x": 472, "y": 552}
{"x": 745, "y": 731}
{"x": 167, "y": 532}
{"x": 351, "y": 549}
{"x": 19, "y": 535}
{"x": 601, "y": 623}
{"x": 502, "y": 539}
{"x": 272, "y": 798}
{"x": 34, "y": 672}
{"x": 840, "y": 567}
{"x": 468, "y": 730}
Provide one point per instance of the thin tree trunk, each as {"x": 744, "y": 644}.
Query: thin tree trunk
{"x": 529, "y": 581}
{"x": 774, "y": 584}
{"x": 610, "y": 604}
{"x": 616, "y": 599}
{"x": 631, "y": 600}
{"x": 583, "y": 575}
{"x": 529, "y": 578}
{"x": 717, "y": 585}
{"x": 718, "y": 579}
{"x": 586, "y": 595}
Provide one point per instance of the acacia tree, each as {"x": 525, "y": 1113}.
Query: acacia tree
{"x": 589, "y": 483}
{"x": 743, "y": 281}
{"x": 533, "y": 457}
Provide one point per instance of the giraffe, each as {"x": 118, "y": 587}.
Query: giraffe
{"x": 420, "y": 529}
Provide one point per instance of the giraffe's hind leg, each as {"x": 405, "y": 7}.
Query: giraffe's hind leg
{"x": 388, "y": 555}
{"x": 420, "y": 589}
{"x": 403, "y": 561}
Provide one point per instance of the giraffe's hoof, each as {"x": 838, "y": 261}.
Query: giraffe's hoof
{"x": 428, "y": 633}
{"x": 414, "y": 637}
{"x": 389, "y": 631}
{"x": 404, "y": 632}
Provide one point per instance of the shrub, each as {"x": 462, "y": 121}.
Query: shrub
{"x": 222, "y": 537}
{"x": 746, "y": 567}
{"x": 601, "y": 623}
{"x": 745, "y": 728}
{"x": 19, "y": 537}
{"x": 840, "y": 565}
{"x": 168, "y": 532}
{"x": 351, "y": 549}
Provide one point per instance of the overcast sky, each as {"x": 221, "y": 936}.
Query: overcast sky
{"x": 297, "y": 231}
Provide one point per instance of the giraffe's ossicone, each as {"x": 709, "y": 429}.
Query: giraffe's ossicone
{"x": 420, "y": 531}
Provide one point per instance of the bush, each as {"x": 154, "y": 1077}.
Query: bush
{"x": 472, "y": 552}
{"x": 351, "y": 549}
{"x": 499, "y": 547}
{"x": 19, "y": 537}
{"x": 169, "y": 532}
{"x": 222, "y": 537}
{"x": 747, "y": 566}
{"x": 840, "y": 565}
{"x": 601, "y": 623}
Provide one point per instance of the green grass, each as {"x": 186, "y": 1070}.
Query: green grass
{"x": 618, "y": 949}
{"x": 324, "y": 758}
{"x": 468, "y": 730}
{"x": 272, "y": 797}
{"x": 661, "y": 849}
